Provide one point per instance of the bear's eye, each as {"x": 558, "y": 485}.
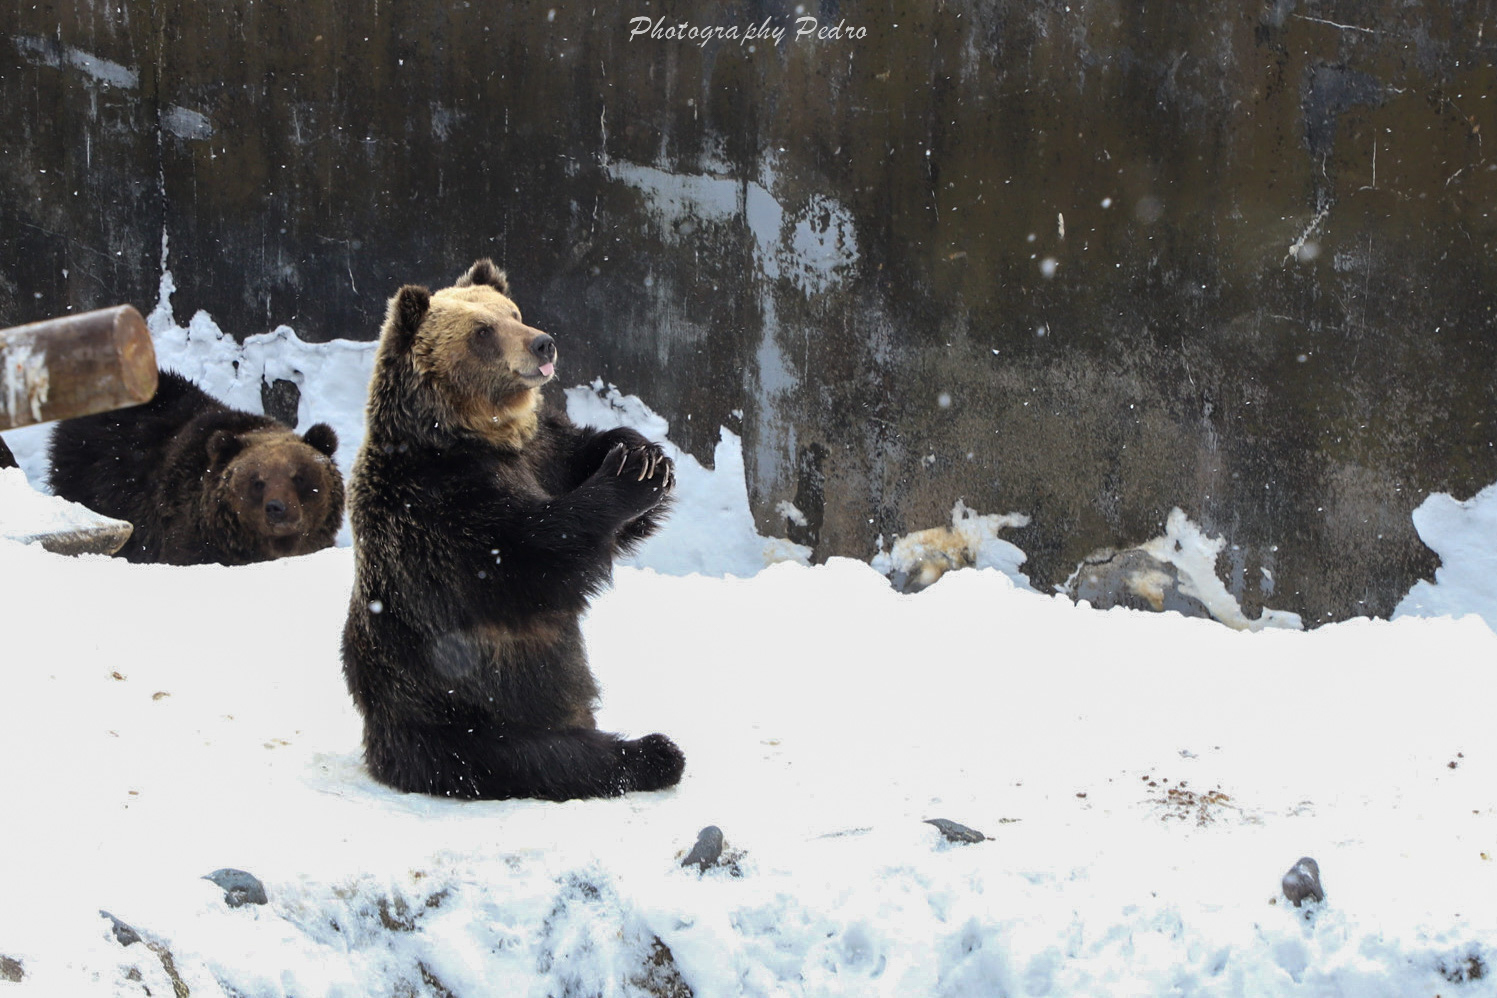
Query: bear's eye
{"x": 483, "y": 334}
{"x": 257, "y": 486}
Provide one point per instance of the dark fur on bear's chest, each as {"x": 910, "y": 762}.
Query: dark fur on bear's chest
{"x": 482, "y": 619}
{"x": 463, "y": 647}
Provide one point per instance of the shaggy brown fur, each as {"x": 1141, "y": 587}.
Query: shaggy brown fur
{"x": 483, "y": 521}
{"x": 200, "y": 481}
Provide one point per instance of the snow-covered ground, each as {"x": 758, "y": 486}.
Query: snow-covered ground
{"x": 1144, "y": 780}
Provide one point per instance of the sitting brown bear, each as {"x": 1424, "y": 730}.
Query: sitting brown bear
{"x": 200, "y": 481}
{"x": 483, "y": 520}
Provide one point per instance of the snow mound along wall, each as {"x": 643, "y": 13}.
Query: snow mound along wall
{"x": 1464, "y": 535}
{"x": 710, "y": 531}
{"x": 331, "y": 379}
{"x": 1175, "y": 571}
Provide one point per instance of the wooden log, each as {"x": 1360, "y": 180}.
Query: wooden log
{"x": 74, "y": 366}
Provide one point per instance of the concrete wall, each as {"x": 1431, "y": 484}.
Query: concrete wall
{"x": 1083, "y": 260}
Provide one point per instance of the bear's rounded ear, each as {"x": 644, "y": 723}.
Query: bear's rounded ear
{"x": 405, "y": 313}
{"x": 321, "y": 437}
{"x": 484, "y": 272}
{"x": 223, "y": 447}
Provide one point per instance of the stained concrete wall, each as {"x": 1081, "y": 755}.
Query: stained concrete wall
{"x": 1084, "y": 260}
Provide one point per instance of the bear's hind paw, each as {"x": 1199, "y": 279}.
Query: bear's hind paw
{"x": 653, "y": 762}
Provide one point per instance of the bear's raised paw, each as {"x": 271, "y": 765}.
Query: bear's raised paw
{"x": 642, "y": 468}
{"x": 640, "y": 461}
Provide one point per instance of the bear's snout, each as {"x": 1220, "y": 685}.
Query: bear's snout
{"x": 544, "y": 348}
{"x": 283, "y": 514}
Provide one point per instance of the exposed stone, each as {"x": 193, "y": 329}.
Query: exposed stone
{"x": 281, "y": 400}
{"x": 11, "y": 970}
{"x": 57, "y": 525}
{"x": 955, "y": 832}
{"x": 707, "y": 849}
{"x": 124, "y": 934}
{"x": 240, "y": 888}
{"x": 1134, "y": 579}
{"x": 1303, "y": 882}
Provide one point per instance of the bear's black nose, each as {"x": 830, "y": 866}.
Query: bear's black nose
{"x": 544, "y": 347}
{"x": 275, "y": 511}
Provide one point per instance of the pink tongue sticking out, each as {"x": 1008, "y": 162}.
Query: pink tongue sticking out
{"x": 548, "y": 369}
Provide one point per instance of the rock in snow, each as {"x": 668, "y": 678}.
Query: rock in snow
{"x": 1303, "y": 881}
{"x": 707, "y": 850}
{"x": 123, "y": 934}
{"x": 1135, "y": 579}
{"x": 240, "y": 888}
{"x": 58, "y": 525}
{"x": 955, "y": 832}
{"x": 1175, "y": 571}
